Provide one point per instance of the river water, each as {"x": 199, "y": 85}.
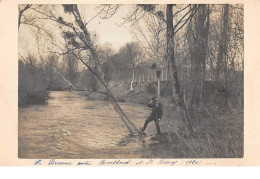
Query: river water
{"x": 71, "y": 125}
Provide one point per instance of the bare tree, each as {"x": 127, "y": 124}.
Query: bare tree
{"x": 223, "y": 44}
{"x": 198, "y": 53}
{"x": 79, "y": 43}
{"x": 150, "y": 33}
{"x": 176, "y": 91}
{"x": 22, "y": 9}
{"x": 187, "y": 12}
{"x": 131, "y": 54}
{"x": 105, "y": 52}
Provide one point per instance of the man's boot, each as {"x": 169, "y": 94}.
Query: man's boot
{"x": 158, "y": 128}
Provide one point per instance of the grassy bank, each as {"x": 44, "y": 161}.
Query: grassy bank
{"x": 218, "y": 132}
{"x": 217, "y": 135}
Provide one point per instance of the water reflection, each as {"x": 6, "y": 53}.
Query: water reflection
{"x": 71, "y": 126}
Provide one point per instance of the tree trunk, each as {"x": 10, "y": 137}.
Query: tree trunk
{"x": 222, "y": 55}
{"x": 223, "y": 45}
{"x": 99, "y": 75}
{"x": 159, "y": 87}
{"x": 21, "y": 11}
{"x": 199, "y": 51}
{"x": 131, "y": 127}
{"x": 19, "y": 19}
{"x": 176, "y": 92}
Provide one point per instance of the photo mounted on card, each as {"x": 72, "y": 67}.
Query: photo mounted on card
{"x": 120, "y": 83}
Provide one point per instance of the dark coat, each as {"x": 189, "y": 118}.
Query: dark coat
{"x": 157, "y": 111}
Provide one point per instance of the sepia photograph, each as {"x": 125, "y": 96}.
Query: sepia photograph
{"x": 130, "y": 81}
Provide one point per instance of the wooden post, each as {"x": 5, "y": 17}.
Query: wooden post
{"x": 158, "y": 74}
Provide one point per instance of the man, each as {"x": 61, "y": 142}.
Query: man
{"x": 155, "y": 116}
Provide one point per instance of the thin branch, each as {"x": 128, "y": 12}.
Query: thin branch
{"x": 190, "y": 17}
{"x": 21, "y": 11}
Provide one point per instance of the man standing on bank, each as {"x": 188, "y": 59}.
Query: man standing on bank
{"x": 155, "y": 116}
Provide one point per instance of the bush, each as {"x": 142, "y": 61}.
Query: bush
{"x": 32, "y": 87}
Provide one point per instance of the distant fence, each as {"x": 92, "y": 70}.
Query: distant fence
{"x": 149, "y": 75}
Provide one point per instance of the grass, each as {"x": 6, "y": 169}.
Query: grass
{"x": 217, "y": 135}
{"x": 219, "y": 132}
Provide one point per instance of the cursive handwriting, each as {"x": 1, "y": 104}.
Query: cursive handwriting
{"x": 37, "y": 162}
{"x": 84, "y": 163}
{"x": 110, "y": 162}
{"x": 167, "y": 162}
{"x": 53, "y": 162}
{"x": 114, "y": 162}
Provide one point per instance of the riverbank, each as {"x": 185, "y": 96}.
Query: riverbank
{"x": 142, "y": 93}
{"x": 217, "y": 133}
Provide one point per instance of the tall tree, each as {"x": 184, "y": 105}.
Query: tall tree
{"x": 222, "y": 60}
{"x": 171, "y": 31}
{"x": 131, "y": 54}
{"x": 223, "y": 44}
{"x": 200, "y": 24}
{"x": 176, "y": 91}
{"x": 79, "y": 40}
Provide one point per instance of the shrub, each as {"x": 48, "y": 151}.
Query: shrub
{"x": 32, "y": 87}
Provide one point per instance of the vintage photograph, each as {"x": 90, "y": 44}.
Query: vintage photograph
{"x": 130, "y": 81}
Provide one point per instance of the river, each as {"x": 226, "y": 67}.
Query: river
{"x": 71, "y": 125}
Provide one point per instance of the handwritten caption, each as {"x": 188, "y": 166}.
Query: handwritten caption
{"x": 118, "y": 162}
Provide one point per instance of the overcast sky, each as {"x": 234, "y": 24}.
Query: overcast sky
{"x": 107, "y": 30}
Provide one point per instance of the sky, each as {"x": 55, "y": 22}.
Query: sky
{"x": 107, "y": 30}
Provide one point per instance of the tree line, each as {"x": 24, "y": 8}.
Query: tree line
{"x": 202, "y": 44}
